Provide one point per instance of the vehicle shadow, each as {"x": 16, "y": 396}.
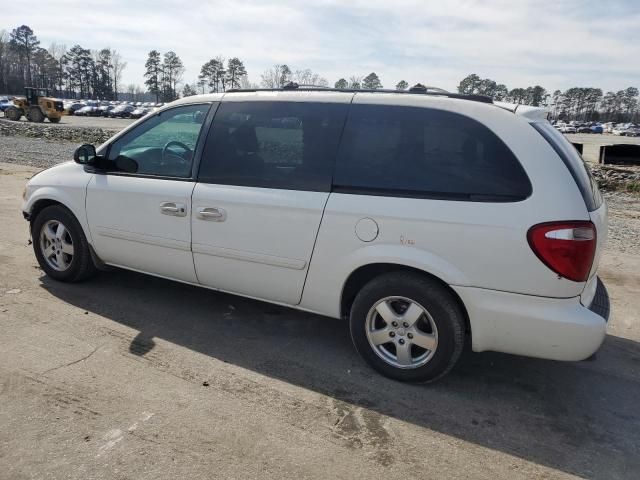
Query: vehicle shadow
{"x": 580, "y": 418}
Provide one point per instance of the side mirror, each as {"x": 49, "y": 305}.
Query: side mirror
{"x": 85, "y": 154}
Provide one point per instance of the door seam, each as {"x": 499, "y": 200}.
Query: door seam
{"x": 193, "y": 260}
{"x": 335, "y": 161}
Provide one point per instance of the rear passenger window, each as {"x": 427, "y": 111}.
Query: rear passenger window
{"x": 389, "y": 150}
{"x": 284, "y": 145}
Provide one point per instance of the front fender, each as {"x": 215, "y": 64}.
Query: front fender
{"x": 65, "y": 184}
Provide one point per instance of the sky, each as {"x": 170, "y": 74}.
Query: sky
{"x": 557, "y": 44}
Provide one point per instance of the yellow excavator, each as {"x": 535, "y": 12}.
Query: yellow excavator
{"x": 36, "y": 105}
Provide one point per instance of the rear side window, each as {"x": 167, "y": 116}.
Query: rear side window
{"x": 574, "y": 162}
{"x": 285, "y": 145}
{"x": 426, "y": 153}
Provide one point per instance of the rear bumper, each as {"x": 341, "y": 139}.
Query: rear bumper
{"x": 600, "y": 304}
{"x": 550, "y": 328}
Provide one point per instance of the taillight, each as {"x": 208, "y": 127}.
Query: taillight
{"x": 567, "y": 248}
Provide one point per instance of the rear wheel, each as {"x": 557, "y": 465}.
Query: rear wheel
{"x": 60, "y": 246}
{"x": 35, "y": 115}
{"x": 407, "y": 326}
{"x": 13, "y": 113}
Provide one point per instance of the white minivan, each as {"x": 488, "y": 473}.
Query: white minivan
{"x": 426, "y": 219}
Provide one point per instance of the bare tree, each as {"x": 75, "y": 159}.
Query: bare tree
{"x": 4, "y": 61}
{"x": 276, "y": 76}
{"x": 247, "y": 84}
{"x": 118, "y": 66}
{"x": 138, "y": 93}
{"x": 309, "y": 77}
{"x": 58, "y": 52}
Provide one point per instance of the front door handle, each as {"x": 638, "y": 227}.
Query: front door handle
{"x": 213, "y": 214}
{"x": 174, "y": 209}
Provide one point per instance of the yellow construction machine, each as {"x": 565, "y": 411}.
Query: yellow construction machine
{"x": 36, "y": 105}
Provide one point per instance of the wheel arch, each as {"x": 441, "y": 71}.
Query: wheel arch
{"x": 40, "y": 205}
{"x": 46, "y": 197}
{"x": 365, "y": 273}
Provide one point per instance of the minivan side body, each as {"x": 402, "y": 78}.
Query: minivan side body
{"x": 301, "y": 198}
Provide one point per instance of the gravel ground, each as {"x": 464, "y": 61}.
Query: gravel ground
{"x": 86, "y": 122}
{"x": 35, "y": 152}
{"x": 624, "y": 208}
{"x": 624, "y": 222}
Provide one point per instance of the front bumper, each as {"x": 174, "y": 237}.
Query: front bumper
{"x": 550, "y": 328}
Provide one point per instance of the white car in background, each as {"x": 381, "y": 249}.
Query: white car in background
{"x": 426, "y": 220}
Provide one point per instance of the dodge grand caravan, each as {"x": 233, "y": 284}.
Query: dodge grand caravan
{"x": 426, "y": 219}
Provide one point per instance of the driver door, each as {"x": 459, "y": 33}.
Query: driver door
{"x": 138, "y": 207}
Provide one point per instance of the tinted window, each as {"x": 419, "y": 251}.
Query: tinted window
{"x": 284, "y": 145}
{"x": 574, "y": 162}
{"x": 389, "y": 150}
{"x": 164, "y": 144}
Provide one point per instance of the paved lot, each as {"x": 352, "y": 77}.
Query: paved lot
{"x": 132, "y": 377}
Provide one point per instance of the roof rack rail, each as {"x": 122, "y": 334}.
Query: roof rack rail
{"x": 415, "y": 90}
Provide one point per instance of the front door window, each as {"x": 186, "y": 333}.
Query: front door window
{"x": 164, "y": 145}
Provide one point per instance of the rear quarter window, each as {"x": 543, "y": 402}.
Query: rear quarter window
{"x": 426, "y": 153}
{"x": 573, "y": 161}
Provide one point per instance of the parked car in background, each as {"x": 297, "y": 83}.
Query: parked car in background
{"x": 74, "y": 107}
{"x": 583, "y": 129}
{"x": 105, "y": 109}
{"x": 633, "y": 131}
{"x": 431, "y": 222}
{"x": 139, "y": 112}
{"x": 88, "y": 111}
{"x": 622, "y": 130}
{"x": 569, "y": 129}
{"x": 5, "y": 103}
{"x": 596, "y": 129}
{"x": 122, "y": 111}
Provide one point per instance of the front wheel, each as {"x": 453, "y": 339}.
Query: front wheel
{"x": 54, "y": 119}
{"x": 60, "y": 245}
{"x": 407, "y": 326}
{"x": 12, "y": 113}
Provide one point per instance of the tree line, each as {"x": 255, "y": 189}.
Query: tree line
{"x": 576, "y": 103}
{"x": 66, "y": 72}
{"x": 85, "y": 73}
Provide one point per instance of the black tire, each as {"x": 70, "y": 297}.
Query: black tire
{"x": 12, "y": 113}
{"x": 81, "y": 265}
{"x": 54, "y": 119}
{"x": 35, "y": 115}
{"x": 440, "y": 304}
